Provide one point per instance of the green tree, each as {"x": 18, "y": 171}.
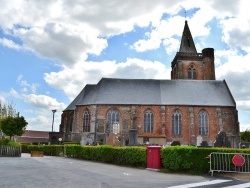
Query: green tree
{"x": 245, "y": 136}
{"x": 12, "y": 126}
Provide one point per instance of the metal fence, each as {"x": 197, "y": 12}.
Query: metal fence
{"x": 229, "y": 162}
{"x": 10, "y": 151}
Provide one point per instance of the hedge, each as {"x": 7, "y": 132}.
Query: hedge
{"x": 192, "y": 160}
{"x": 129, "y": 156}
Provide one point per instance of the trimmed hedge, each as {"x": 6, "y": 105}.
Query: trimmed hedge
{"x": 191, "y": 159}
{"x": 129, "y": 156}
{"x": 54, "y": 150}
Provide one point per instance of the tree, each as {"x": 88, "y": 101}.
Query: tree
{"x": 245, "y": 136}
{"x": 12, "y": 126}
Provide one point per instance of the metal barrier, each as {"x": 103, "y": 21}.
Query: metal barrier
{"x": 10, "y": 151}
{"x": 229, "y": 162}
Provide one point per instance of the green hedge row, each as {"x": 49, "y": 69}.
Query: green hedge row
{"x": 181, "y": 159}
{"x": 130, "y": 156}
{"x": 192, "y": 160}
{"x": 53, "y": 150}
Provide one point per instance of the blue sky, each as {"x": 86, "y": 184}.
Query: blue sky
{"x": 50, "y": 49}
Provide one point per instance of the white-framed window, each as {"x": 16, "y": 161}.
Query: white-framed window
{"x": 86, "y": 121}
{"x": 148, "y": 121}
{"x": 113, "y": 121}
{"x": 203, "y": 123}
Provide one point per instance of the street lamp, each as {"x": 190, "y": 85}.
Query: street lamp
{"x": 54, "y": 111}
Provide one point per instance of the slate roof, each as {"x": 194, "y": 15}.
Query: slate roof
{"x": 155, "y": 92}
{"x": 80, "y": 96}
{"x": 187, "y": 42}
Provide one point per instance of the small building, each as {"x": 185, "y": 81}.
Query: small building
{"x": 33, "y": 137}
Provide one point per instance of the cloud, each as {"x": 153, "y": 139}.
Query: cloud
{"x": 10, "y": 44}
{"x": 42, "y": 122}
{"x": 235, "y": 25}
{"x": 43, "y": 101}
{"x": 236, "y": 71}
{"x": 25, "y": 86}
{"x": 91, "y": 72}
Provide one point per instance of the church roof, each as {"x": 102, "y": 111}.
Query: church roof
{"x": 155, "y": 92}
{"x": 81, "y": 95}
{"x": 187, "y": 42}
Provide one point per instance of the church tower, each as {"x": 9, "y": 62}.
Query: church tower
{"x": 188, "y": 64}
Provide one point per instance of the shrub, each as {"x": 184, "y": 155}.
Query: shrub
{"x": 191, "y": 159}
{"x": 8, "y": 142}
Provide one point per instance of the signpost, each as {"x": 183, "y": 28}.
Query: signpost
{"x": 238, "y": 160}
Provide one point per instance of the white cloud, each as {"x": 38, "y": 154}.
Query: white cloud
{"x": 25, "y": 86}
{"x": 244, "y": 127}
{"x": 9, "y": 43}
{"x": 2, "y": 99}
{"x": 91, "y": 72}
{"x": 42, "y": 122}
{"x": 236, "y": 72}
{"x": 236, "y": 25}
{"x": 43, "y": 101}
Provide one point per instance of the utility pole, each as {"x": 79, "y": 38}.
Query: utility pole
{"x": 54, "y": 111}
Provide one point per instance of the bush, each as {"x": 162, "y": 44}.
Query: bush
{"x": 7, "y": 142}
{"x": 130, "y": 156}
{"x": 191, "y": 159}
{"x": 25, "y": 147}
{"x": 54, "y": 150}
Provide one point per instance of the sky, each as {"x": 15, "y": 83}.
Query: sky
{"x": 49, "y": 50}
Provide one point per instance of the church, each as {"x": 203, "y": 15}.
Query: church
{"x": 190, "y": 109}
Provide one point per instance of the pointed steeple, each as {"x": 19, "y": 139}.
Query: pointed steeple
{"x": 187, "y": 42}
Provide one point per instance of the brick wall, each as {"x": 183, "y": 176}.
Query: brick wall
{"x": 220, "y": 118}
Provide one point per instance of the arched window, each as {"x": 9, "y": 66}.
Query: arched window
{"x": 148, "y": 121}
{"x": 86, "y": 121}
{"x": 113, "y": 121}
{"x": 191, "y": 72}
{"x": 203, "y": 123}
{"x": 176, "y": 123}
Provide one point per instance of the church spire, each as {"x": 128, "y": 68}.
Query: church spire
{"x": 187, "y": 42}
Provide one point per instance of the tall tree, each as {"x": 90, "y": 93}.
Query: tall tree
{"x": 245, "y": 136}
{"x": 12, "y": 126}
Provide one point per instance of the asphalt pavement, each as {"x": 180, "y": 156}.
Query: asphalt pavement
{"x": 49, "y": 171}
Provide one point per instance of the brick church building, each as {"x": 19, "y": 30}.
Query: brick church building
{"x": 191, "y": 108}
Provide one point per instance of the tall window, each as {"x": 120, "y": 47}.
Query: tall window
{"x": 86, "y": 121}
{"x": 113, "y": 121}
{"x": 71, "y": 121}
{"x": 71, "y": 124}
{"x": 203, "y": 123}
{"x": 176, "y": 123}
{"x": 148, "y": 121}
{"x": 191, "y": 72}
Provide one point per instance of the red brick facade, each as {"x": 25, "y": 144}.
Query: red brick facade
{"x": 219, "y": 118}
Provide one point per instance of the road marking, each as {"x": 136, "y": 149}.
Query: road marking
{"x": 243, "y": 185}
{"x": 127, "y": 174}
{"x": 200, "y": 184}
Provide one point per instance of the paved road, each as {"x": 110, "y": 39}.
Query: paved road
{"x": 46, "y": 172}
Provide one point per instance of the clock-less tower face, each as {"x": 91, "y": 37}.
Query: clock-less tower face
{"x": 188, "y": 64}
